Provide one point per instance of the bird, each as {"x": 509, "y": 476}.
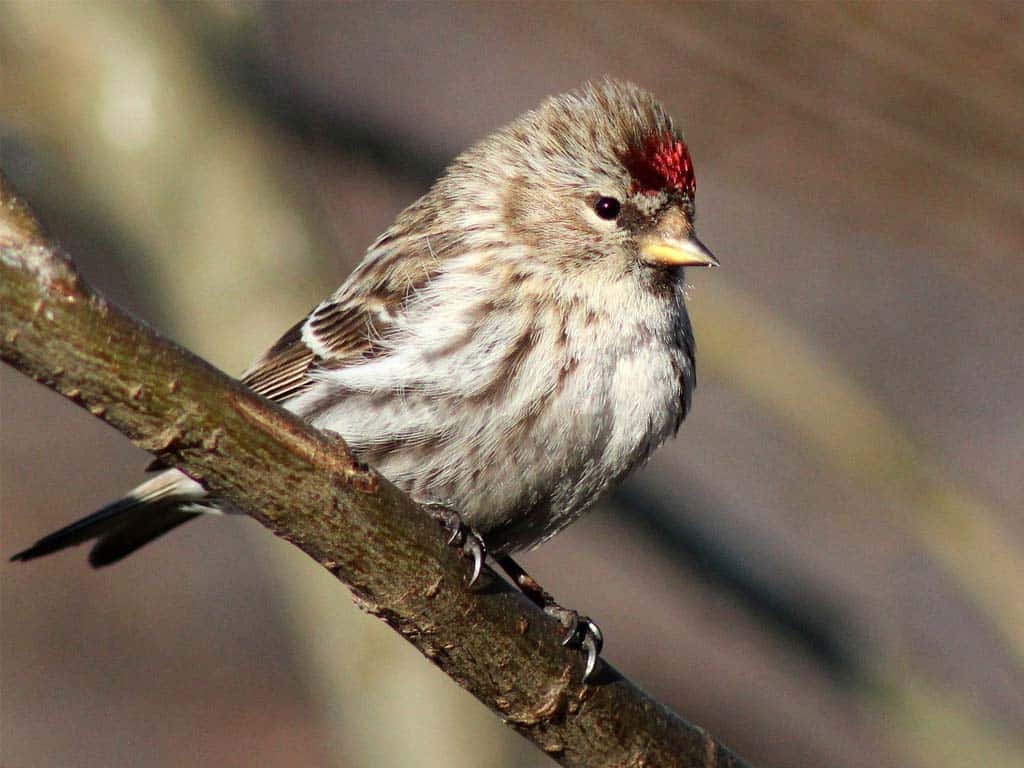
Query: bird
{"x": 507, "y": 351}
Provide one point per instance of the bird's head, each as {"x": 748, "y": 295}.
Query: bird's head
{"x": 595, "y": 180}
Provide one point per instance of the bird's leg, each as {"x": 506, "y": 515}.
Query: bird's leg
{"x": 461, "y": 536}
{"x": 583, "y": 633}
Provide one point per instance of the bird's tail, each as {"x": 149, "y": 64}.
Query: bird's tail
{"x": 151, "y": 510}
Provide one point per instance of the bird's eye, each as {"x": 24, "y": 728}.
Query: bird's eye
{"x": 607, "y": 207}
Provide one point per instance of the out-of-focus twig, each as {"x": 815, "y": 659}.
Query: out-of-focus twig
{"x": 122, "y": 114}
{"x": 823, "y": 404}
{"x": 305, "y": 487}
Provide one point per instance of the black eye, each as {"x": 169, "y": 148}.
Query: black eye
{"x": 607, "y": 207}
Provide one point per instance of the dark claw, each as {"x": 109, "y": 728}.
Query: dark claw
{"x": 474, "y": 547}
{"x": 592, "y": 645}
{"x": 584, "y": 634}
{"x": 462, "y": 536}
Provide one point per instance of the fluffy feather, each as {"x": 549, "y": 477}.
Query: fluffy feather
{"x": 502, "y": 350}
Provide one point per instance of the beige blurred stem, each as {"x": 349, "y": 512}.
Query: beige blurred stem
{"x": 134, "y": 122}
{"x": 845, "y": 423}
{"x": 304, "y": 486}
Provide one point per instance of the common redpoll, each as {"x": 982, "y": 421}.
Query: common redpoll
{"x": 508, "y": 350}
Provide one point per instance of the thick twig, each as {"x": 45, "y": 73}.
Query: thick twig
{"x": 304, "y": 486}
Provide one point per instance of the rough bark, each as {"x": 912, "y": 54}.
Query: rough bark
{"x": 304, "y": 486}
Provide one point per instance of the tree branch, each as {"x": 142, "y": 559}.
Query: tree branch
{"x": 305, "y": 486}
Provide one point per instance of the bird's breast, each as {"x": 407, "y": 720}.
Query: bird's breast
{"x": 518, "y": 418}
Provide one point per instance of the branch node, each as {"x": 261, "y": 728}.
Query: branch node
{"x": 552, "y": 707}
{"x": 166, "y": 439}
{"x": 211, "y": 441}
{"x": 335, "y": 458}
{"x": 434, "y": 588}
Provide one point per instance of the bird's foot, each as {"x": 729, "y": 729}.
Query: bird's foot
{"x": 583, "y": 633}
{"x": 461, "y": 536}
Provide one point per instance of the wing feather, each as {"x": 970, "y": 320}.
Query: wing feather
{"x": 348, "y": 327}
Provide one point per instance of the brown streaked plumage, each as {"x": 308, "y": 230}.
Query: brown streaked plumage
{"x": 511, "y": 347}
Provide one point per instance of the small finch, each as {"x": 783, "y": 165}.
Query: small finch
{"x": 507, "y": 351}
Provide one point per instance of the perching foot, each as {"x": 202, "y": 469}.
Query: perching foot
{"x": 583, "y": 633}
{"x": 461, "y": 536}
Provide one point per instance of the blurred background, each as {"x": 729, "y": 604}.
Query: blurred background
{"x": 825, "y": 568}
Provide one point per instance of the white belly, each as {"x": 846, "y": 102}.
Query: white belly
{"x": 521, "y": 428}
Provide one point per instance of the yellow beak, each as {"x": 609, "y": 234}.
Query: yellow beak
{"x": 685, "y": 251}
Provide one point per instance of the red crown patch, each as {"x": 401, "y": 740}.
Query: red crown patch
{"x": 663, "y": 163}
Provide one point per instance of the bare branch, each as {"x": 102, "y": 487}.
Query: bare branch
{"x": 305, "y": 487}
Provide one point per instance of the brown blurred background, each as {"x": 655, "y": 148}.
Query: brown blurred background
{"x": 826, "y": 568}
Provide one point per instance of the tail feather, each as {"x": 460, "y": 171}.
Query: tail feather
{"x": 123, "y": 541}
{"x": 151, "y": 510}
